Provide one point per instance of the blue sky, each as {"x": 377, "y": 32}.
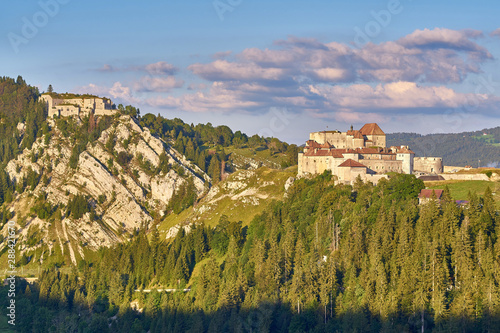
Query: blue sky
{"x": 267, "y": 67}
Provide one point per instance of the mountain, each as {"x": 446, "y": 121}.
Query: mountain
{"x": 76, "y": 184}
{"x": 456, "y": 149}
{"x": 102, "y": 194}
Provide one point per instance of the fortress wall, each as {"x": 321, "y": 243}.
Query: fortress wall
{"x": 408, "y": 160}
{"x": 357, "y": 143}
{"x": 383, "y": 166}
{"x": 428, "y": 164}
{"x": 464, "y": 176}
{"x": 313, "y": 164}
{"x": 68, "y": 110}
{"x": 374, "y": 178}
{"x": 77, "y": 101}
{"x": 104, "y": 112}
{"x": 449, "y": 168}
{"x": 378, "y": 140}
{"x": 335, "y": 138}
{"x": 347, "y": 175}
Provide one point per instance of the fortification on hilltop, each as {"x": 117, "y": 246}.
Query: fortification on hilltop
{"x": 361, "y": 153}
{"x": 68, "y": 105}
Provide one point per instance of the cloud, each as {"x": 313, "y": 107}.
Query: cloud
{"x": 395, "y": 96}
{"x": 161, "y": 68}
{"x": 495, "y": 33}
{"x": 197, "y": 86}
{"x": 106, "y": 68}
{"x": 157, "y": 68}
{"x": 219, "y": 98}
{"x": 157, "y": 84}
{"x": 331, "y": 80}
{"x": 117, "y": 92}
{"x": 437, "y": 56}
{"x": 222, "y": 70}
{"x": 222, "y": 55}
{"x": 445, "y": 38}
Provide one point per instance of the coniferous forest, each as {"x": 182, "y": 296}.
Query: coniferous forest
{"x": 328, "y": 258}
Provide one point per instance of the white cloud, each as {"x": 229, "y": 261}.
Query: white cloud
{"x": 116, "y": 92}
{"x": 157, "y": 84}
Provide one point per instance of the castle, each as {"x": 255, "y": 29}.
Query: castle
{"x": 67, "y": 105}
{"x": 361, "y": 153}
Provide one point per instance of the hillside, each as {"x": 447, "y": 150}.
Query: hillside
{"x": 74, "y": 185}
{"x": 77, "y": 197}
{"x": 456, "y": 149}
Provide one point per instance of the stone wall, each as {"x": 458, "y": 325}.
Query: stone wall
{"x": 383, "y": 166}
{"x": 377, "y": 140}
{"x": 428, "y": 164}
{"x": 464, "y": 176}
{"x": 104, "y": 112}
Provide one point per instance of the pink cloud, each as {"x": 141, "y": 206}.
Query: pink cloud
{"x": 495, "y": 33}
{"x": 117, "y": 92}
{"x": 395, "y": 95}
{"x": 445, "y": 38}
{"x": 161, "y": 68}
{"x": 437, "y": 55}
{"x": 221, "y": 70}
{"x": 158, "y": 84}
{"x": 217, "y": 99}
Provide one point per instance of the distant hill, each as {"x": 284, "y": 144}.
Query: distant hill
{"x": 458, "y": 149}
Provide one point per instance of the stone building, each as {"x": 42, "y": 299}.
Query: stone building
{"x": 81, "y": 106}
{"x": 357, "y": 153}
{"x": 428, "y": 164}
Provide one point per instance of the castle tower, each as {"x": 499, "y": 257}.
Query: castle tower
{"x": 374, "y": 135}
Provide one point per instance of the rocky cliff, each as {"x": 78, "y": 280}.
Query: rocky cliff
{"x": 114, "y": 173}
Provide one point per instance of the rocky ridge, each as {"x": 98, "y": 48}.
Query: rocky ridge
{"x": 123, "y": 197}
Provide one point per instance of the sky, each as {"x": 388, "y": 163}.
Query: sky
{"x": 277, "y": 69}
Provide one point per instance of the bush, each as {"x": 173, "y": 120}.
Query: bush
{"x": 123, "y": 158}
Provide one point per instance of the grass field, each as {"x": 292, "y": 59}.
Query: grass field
{"x": 265, "y": 181}
{"x": 459, "y": 189}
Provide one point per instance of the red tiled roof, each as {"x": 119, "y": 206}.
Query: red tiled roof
{"x": 314, "y": 144}
{"x": 368, "y": 150}
{"x": 325, "y": 145}
{"x": 405, "y": 151}
{"x": 371, "y": 129}
{"x": 428, "y": 193}
{"x": 357, "y": 134}
{"x": 322, "y": 152}
{"x": 352, "y": 164}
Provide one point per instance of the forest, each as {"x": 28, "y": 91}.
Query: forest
{"x": 457, "y": 149}
{"x": 328, "y": 258}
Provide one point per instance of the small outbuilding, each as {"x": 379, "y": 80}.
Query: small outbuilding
{"x": 425, "y": 195}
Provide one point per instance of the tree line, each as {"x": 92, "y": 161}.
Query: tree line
{"x": 328, "y": 258}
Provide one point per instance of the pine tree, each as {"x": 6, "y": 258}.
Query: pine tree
{"x": 214, "y": 169}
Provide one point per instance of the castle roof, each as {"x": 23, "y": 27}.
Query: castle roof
{"x": 355, "y": 133}
{"x": 321, "y": 152}
{"x": 371, "y": 129}
{"x": 352, "y": 164}
{"x": 405, "y": 150}
{"x": 368, "y": 150}
{"x": 314, "y": 144}
{"x": 428, "y": 193}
